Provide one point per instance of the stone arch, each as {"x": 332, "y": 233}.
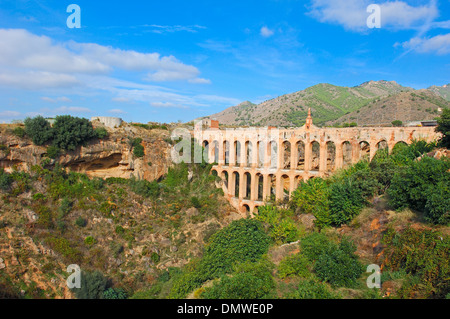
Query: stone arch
{"x": 245, "y": 209}
{"x": 215, "y": 145}
{"x": 399, "y": 145}
{"x": 285, "y": 186}
{"x": 237, "y": 152}
{"x": 300, "y": 155}
{"x": 248, "y": 153}
{"x": 364, "y": 150}
{"x": 286, "y": 155}
{"x": 248, "y": 185}
{"x": 259, "y": 180}
{"x": 346, "y": 153}
{"x": 315, "y": 156}
{"x": 382, "y": 145}
{"x": 226, "y": 152}
{"x": 272, "y": 186}
{"x": 260, "y": 150}
{"x": 236, "y": 185}
{"x": 225, "y": 179}
{"x": 273, "y": 154}
{"x": 331, "y": 156}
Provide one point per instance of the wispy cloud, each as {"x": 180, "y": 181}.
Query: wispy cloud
{"x": 439, "y": 44}
{"x": 32, "y": 62}
{"x": 266, "y": 32}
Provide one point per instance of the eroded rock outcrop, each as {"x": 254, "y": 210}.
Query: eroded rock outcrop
{"x": 109, "y": 157}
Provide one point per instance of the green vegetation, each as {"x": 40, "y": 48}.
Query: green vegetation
{"x": 39, "y": 130}
{"x": 397, "y": 123}
{"x": 444, "y": 128}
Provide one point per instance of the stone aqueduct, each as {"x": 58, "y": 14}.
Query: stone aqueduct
{"x": 260, "y": 163}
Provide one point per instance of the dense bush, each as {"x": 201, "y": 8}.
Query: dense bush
{"x": 93, "y": 284}
{"x": 294, "y": 265}
{"x": 19, "y": 131}
{"x": 313, "y": 289}
{"x": 112, "y": 293}
{"x": 53, "y": 152}
{"x": 416, "y": 187}
{"x": 6, "y": 180}
{"x": 313, "y": 245}
{"x": 101, "y": 132}
{"x": 422, "y": 253}
{"x": 444, "y": 128}
{"x": 339, "y": 267}
{"x": 345, "y": 202}
{"x": 241, "y": 241}
{"x": 71, "y": 132}
{"x": 39, "y": 130}
{"x": 249, "y": 281}
{"x": 281, "y": 227}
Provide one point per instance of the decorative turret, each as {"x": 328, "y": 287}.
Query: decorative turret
{"x": 309, "y": 121}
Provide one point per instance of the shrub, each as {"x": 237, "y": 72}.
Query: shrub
{"x": 249, "y": 281}
{"x": 101, "y": 132}
{"x": 313, "y": 245}
{"x": 89, "y": 240}
{"x": 53, "y": 152}
{"x": 294, "y": 265}
{"x": 437, "y": 207}
{"x": 112, "y": 293}
{"x": 444, "y": 128}
{"x": 339, "y": 267}
{"x": 81, "y": 222}
{"x": 19, "y": 132}
{"x": 71, "y": 132}
{"x": 154, "y": 257}
{"x": 313, "y": 289}
{"x": 138, "y": 150}
{"x": 422, "y": 253}
{"x": 93, "y": 285}
{"x": 413, "y": 186}
{"x": 196, "y": 202}
{"x": 243, "y": 240}
{"x": 397, "y": 123}
{"x": 6, "y": 180}
{"x": 39, "y": 130}
{"x": 345, "y": 202}
{"x": 65, "y": 207}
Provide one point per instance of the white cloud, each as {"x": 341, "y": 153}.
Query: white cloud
{"x": 120, "y": 99}
{"x": 54, "y": 100}
{"x": 439, "y": 44}
{"x": 72, "y": 109}
{"x": 266, "y": 32}
{"x": 30, "y": 61}
{"x": 352, "y": 15}
{"x": 199, "y": 81}
{"x": 33, "y": 80}
{"x": 167, "y": 105}
{"x": 116, "y": 111}
{"x": 9, "y": 114}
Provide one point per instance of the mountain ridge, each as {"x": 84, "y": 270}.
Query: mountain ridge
{"x": 333, "y": 105}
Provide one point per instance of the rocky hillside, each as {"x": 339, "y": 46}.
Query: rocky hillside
{"x": 373, "y": 102}
{"x": 108, "y": 157}
{"x": 99, "y": 210}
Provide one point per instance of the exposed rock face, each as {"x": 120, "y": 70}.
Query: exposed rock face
{"x": 111, "y": 157}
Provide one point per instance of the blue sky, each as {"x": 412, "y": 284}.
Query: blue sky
{"x": 166, "y": 61}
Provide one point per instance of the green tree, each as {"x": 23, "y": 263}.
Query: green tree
{"x": 397, "y": 123}
{"x": 71, "y": 132}
{"x": 444, "y": 128}
{"x": 93, "y": 284}
{"x": 39, "y": 130}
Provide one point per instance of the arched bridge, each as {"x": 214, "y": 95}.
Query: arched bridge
{"x": 260, "y": 163}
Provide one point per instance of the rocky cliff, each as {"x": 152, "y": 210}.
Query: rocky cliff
{"x": 109, "y": 157}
